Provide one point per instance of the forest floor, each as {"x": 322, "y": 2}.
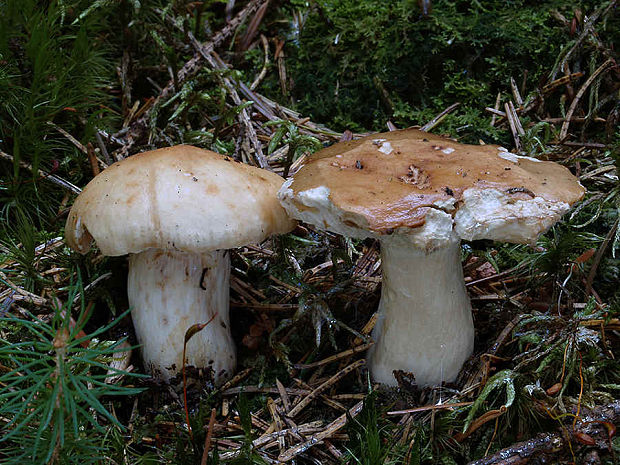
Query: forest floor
{"x": 88, "y": 84}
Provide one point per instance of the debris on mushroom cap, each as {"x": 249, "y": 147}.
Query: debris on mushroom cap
{"x": 484, "y": 190}
{"x": 181, "y": 197}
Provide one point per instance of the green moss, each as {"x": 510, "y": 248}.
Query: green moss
{"x": 463, "y": 51}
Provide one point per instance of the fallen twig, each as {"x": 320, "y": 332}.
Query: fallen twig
{"x": 569, "y": 114}
{"x": 334, "y": 426}
{"x": 45, "y": 175}
{"x": 547, "y": 446}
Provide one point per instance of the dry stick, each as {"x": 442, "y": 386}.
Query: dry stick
{"x": 573, "y": 106}
{"x": 286, "y": 401}
{"x": 277, "y": 422}
{"x": 495, "y": 109}
{"x": 279, "y": 57}
{"x": 236, "y": 379}
{"x": 560, "y": 82}
{"x": 104, "y": 150}
{"x": 512, "y": 117}
{"x": 515, "y": 92}
{"x": 45, "y": 175}
{"x": 266, "y": 308}
{"x": 263, "y": 72}
{"x": 495, "y": 112}
{"x": 429, "y": 407}
{"x": 547, "y": 446}
{"x": 264, "y": 390}
{"x": 333, "y": 358}
{"x": 328, "y": 432}
{"x": 574, "y": 119}
{"x": 516, "y": 119}
{"x": 367, "y": 329}
{"x": 597, "y": 171}
{"x": 205, "y": 453}
{"x": 71, "y": 139}
{"x": 92, "y": 159}
{"x": 194, "y": 65}
{"x": 306, "y": 428}
{"x": 22, "y": 294}
{"x": 437, "y": 119}
{"x": 328, "y": 401}
{"x": 590, "y": 145}
{"x": 315, "y": 393}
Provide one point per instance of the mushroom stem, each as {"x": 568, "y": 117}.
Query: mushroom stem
{"x": 425, "y": 324}
{"x": 169, "y": 291}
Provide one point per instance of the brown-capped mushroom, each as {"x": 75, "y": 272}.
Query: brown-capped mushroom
{"x": 420, "y": 194}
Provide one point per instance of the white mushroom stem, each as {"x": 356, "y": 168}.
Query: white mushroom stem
{"x": 169, "y": 291}
{"x": 425, "y": 325}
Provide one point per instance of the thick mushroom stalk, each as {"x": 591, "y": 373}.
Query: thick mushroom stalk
{"x": 169, "y": 291}
{"x": 425, "y": 325}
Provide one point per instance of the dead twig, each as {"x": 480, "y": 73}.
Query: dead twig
{"x": 205, "y": 452}
{"x": 591, "y": 431}
{"x": 515, "y": 124}
{"x": 334, "y": 426}
{"x": 263, "y": 72}
{"x": 315, "y": 393}
{"x": 439, "y": 118}
{"x": 569, "y": 114}
{"x": 44, "y": 174}
{"x": 333, "y": 358}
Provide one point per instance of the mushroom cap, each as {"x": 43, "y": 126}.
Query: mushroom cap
{"x": 180, "y": 197}
{"x": 429, "y": 188}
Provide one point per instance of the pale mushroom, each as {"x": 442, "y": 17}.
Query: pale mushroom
{"x": 176, "y": 210}
{"x": 420, "y": 194}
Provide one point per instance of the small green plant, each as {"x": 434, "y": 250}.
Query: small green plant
{"x": 298, "y": 143}
{"x": 53, "y": 385}
{"x": 369, "y": 442}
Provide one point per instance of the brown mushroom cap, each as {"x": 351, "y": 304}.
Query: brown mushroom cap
{"x": 181, "y": 197}
{"x": 387, "y": 183}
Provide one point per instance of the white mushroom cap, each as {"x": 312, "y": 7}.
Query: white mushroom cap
{"x": 181, "y": 198}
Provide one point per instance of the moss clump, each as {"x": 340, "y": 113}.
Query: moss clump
{"x": 358, "y": 63}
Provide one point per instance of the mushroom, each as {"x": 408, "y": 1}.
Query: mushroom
{"x": 419, "y": 195}
{"x": 175, "y": 211}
